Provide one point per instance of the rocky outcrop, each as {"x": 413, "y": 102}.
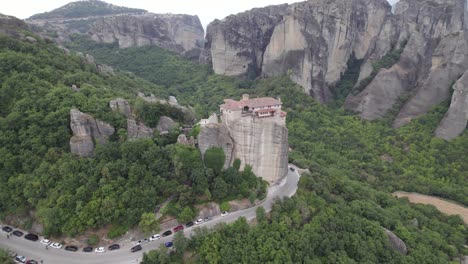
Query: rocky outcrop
{"x": 455, "y": 121}
{"x": 165, "y": 124}
{"x": 258, "y": 139}
{"x": 395, "y": 242}
{"x": 87, "y": 132}
{"x": 312, "y": 40}
{"x": 435, "y": 56}
{"x": 180, "y": 33}
{"x": 121, "y": 106}
{"x": 217, "y": 135}
{"x": 135, "y": 130}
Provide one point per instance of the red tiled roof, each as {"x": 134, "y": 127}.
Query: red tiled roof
{"x": 283, "y": 114}
{"x": 251, "y": 103}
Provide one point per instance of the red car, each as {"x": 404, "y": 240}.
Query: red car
{"x": 178, "y": 228}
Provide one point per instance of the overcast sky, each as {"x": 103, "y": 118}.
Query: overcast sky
{"x": 207, "y": 10}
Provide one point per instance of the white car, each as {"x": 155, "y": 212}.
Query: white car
{"x": 100, "y": 250}
{"x": 143, "y": 241}
{"x": 45, "y": 242}
{"x": 155, "y": 237}
{"x": 199, "y": 221}
{"x": 56, "y": 245}
{"x": 20, "y": 259}
{"x": 224, "y": 213}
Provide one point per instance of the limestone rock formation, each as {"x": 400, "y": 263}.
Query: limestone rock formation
{"x": 121, "y": 106}
{"x": 165, "y": 124}
{"x": 313, "y": 40}
{"x": 396, "y": 242}
{"x": 135, "y": 130}
{"x": 180, "y": 33}
{"x": 253, "y": 131}
{"x": 455, "y": 121}
{"x": 217, "y": 135}
{"x": 435, "y": 56}
{"x": 87, "y": 132}
{"x": 138, "y": 130}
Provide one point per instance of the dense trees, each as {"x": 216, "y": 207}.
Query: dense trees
{"x": 122, "y": 183}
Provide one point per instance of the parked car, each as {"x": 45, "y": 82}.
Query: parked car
{"x": 199, "y": 221}
{"x": 71, "y": 248}
{"x": 207, "y": 219}
{"x": 31, "y": 261}
{"x": 143, "y": 241}
{"x": 178, "y": 228}
{"x": 168, "y": 244}
{"x": 88, "y": 249}
{"x": 45, "y": 241}
{"x": 136, "y": 248}
{"x": 31, "y": 237}
{"x": 189, "y": 224}
{"x": 20, "y": 259}
{"x": 7, "y": 229}
{"x": 155, "y": 237}
{"x": 100, "y": 250}
{"x": 17, "y": 233}
{"x": 114, "y": 247}
{"x": 167, "y": 233}
{"x": 292, "y": 168}
{"x": 56, "y": 245}
{"x": 224, "y": 213}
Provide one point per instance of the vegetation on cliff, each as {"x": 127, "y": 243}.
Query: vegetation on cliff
{"x": 81, "y": 9}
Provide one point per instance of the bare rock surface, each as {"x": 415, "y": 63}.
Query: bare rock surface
{"x": 121, "y": 106}
{"x": 395, "y": 242}
{"x": 87, "y": 132}
{"x": 138, "y": 130}
{"x": 165, "y": 124}
{"x": 455, "y": 120}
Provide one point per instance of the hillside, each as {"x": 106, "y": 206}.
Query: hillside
{"x": 43, "y": 183}
{"x": 84, "y": 9}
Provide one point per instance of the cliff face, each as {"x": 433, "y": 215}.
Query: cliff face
{"x": 313, "y": 41}
{"x": 128, "y": 27}
{"x": 259, "y": 142}
{"x": 180, "y": 33}
{"x": 87, "y": 132}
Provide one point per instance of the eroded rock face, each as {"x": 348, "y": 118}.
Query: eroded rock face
{"x": 260, "y": 141}
{"x": 217, "y": 135}
{"x": 122, "y": 106}
{"x": 87, "y": 132}
{"x": 313, "y": 40}
{"x": 435, "y": 56}
{"x": 165, "y": 124}
{"x": 455, "y": 121}
{"x": 138, "y": 130}
{"x": 180, "y": 33}
{"x": 396, "y": 243}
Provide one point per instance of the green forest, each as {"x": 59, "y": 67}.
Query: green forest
{"x": 337, "y": 216}
{"x": 124, "y": 180}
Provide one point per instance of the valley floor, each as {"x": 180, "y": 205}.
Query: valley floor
{"x": 444, "y": 206}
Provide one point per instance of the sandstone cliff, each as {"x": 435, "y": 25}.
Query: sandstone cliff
{"x": 87, "y": 132}
{"x": 128, "y": 27}
{"x": 180, "y": 33}
{"x": 455, "y": 121}
{"x": 313, "y": 41}
{"x": 259, "y": 142}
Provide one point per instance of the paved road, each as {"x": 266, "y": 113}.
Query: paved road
{"x": 37, "y": 251}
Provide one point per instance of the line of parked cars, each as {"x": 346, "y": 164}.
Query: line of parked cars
{"x": 47, "y": 243}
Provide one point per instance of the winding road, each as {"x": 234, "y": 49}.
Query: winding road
{"x": 35, "y": 250}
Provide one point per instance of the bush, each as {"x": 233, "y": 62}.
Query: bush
{"x": 214, "y": 159}
{"x": 117, "y": 231}
{"x": 93, "y": 240}
{"x": 224, "y": 206}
